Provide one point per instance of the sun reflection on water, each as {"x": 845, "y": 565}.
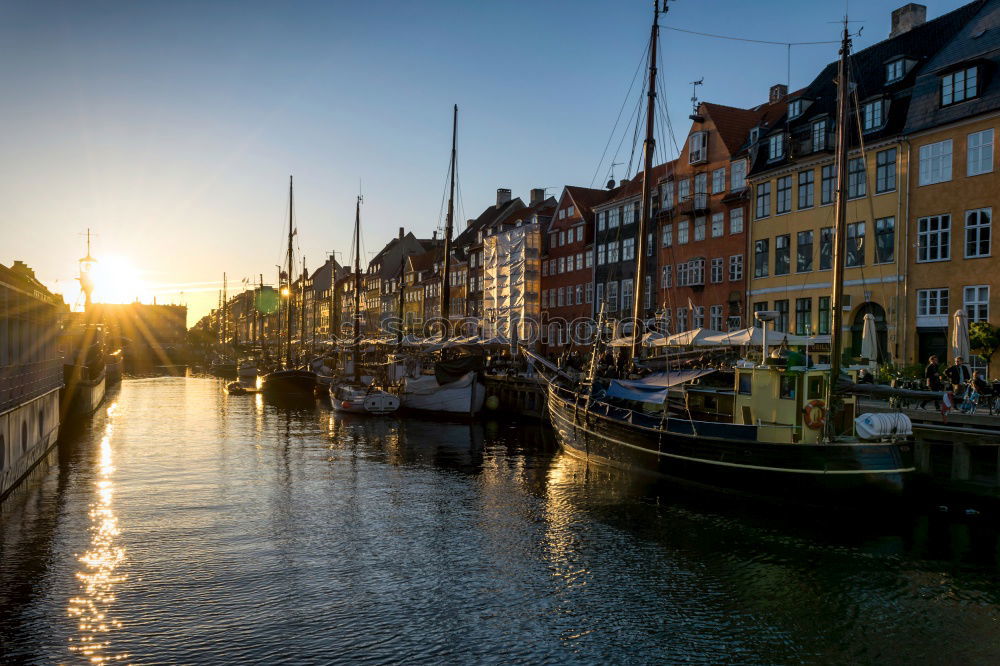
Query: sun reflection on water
{"x": 99, "y": 576}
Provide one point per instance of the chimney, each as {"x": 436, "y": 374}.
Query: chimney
{"x": 401, "y": 233}
{"x": 537, "y": 195}
{"x": 503, "y": 196}
{"x": 778, "y": 93}
{"x": 468, "y": 223}
{"x": 907, "y": 18}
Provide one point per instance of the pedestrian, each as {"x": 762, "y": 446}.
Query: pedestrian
{"x": 865, "y": 377}
{"x": 959, "y": 375}
{"x": 932, "y": 380}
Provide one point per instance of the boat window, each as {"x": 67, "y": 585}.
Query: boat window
{"x": 816, "y": 388}
{"x": 788, "y": 387}
{"x": 746, "y": 383}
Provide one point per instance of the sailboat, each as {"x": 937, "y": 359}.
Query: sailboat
{"x": 455, "y": 388}
{"x": 351, "y": 394}
{"x": 790, "y": 431}
{"x": 289, "y": 382}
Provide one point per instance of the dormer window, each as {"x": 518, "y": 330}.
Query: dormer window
{"x": 754, "y": 135}
{"x": 895, "y": 70}
{"x": 873, "y": 115}
{"x": 776, "y": 147}
{"x": 959, "y": 86}
{"x": 794, "y": 109}
{"x": 698, "y": 148}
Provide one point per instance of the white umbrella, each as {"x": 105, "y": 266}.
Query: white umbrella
{"x": 960, "y": 335}
{"x": 869, "y": 339}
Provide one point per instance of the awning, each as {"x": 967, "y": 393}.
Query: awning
{"x": 675, "y": 377}
{"x": 637, "y": 391}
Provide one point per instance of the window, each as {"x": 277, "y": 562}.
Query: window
{"x": 819, "y": 135}
{"x": 885, "y": 171}
{"x": 601, "y": 254}
{"x": 977, "y": 303}
{"x": 698, "y": 316}
{"x": 856, "y": 178}
{"x": 760, "y": 258}
{"x": 628, "y": 249}
{"x": 715, "y": 318}
{"x": 783, "y": 198}
{"x": 736, "y": 221}
{"x": 980, "y": 150}
{"x": 600, "y": 293}
{"x": 613, "y": 218}
{"x": 635, "y": 214}
{"x": 718, "y": 224}
{"x": 613, "y": 252}
{"x": 667, "y": 235}
{"x": 579, "y": 294}
{"x": 562, "y": 237}
{"x": 562, "y": 264}
{"x": 763, "y": 200}
{"x": 701, "y": 187}
{"x": 684, "y": 189}
{"x": 807, "y": 188}
{"x": 959, "y": 86}
{"x": 562, "y": 296}
{"x": 647, "y": 294}
{"x": 775, "y": 147}
{"x": 803, "y": 316}
{"x": 668, "y": 196}
{"x": 590, "y": 292}
{"x": 738, "y": 175}
{"x": 612, "y": 299}
{"x": 545, "y": 268}
{"x": 682, "y": 320}
{"x": 804, "y": 252}
{"x": 602, "y": 220}
{"x": 579, "y": 261}
{"x": 854, "y": 246}
{"x": 736, "y": 268}
{"x": 682, "y": 274}
{"x": 873, "y": 115}
{"x": 934, "y": 238}
{"x": 894, "y": 70}
{"x": 719, "y": 181}
{"x": 935, "y": 163}
{"x": 823, "y": 305}
{"x": 579, "y": 232}
{"x": 588, "y": 259}
{"x": 826, "y": 248}
{"x": 932, "y": 302}
{"x": 682, "y": 231}
{"x": 782, "y": 254}
{"x": 781, "y": 323}
{"x": 828, "y": 184}
{"x": 977, "y": 232}
{"x": 885, "y": 240}
{"x": 698, "y": 148}
{"x": 696, "y": 272}
{"x": 717, "y": 270}
{"x": 699, "y": 228}
{"x": 794, "y": 109}
{"x": 666, "y": 277}
{"x": 649, "y": 245}
{"x": 545, "y": 298}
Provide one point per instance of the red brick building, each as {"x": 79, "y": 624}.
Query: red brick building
{"x": 702, "y": 236}
{"x": 567, "y": 287}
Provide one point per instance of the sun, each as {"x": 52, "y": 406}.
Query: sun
{"x": 117, "y": 280}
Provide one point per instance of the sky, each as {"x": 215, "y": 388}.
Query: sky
{"x": 170, "y": 128}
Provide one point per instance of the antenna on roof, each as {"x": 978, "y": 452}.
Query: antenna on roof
{"x": 611, "y": 176}
{"x": 694, "y": 98}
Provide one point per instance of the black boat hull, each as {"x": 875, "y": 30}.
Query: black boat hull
{"x": 728, "y": 457}
{"x": 289, "y": 384}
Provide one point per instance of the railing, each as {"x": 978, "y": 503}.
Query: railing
{"x": 20, "y": 383}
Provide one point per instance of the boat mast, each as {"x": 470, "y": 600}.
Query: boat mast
{"x": 357, "y": 288}
{"x": 449, "y": 226}
{"x": 649, "y": 145}
{"x": 839, "y": 235}
{"x": 302, "y": 299}
{"x": 400, "y": 305}
{"x": 225, "y": 331}
{"x": 288, "y": 331}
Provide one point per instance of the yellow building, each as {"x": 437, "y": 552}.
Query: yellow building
{"x": 952, "y": 129}
{"x": 793, "y": 182}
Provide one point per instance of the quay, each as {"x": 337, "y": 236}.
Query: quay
{"x": 515, "y": 394}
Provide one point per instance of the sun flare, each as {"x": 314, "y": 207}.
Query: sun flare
{"x": 117, "y": 280}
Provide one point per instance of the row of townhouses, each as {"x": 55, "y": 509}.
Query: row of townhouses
{"x": 743, "y": 217}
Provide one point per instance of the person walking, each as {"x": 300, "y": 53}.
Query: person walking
{"x": 932, "y": 380}
{"x": 959, "y": 375}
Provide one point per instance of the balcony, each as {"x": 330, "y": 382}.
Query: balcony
{"x": 696, "y": 204}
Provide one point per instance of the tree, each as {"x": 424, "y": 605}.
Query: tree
{"x": 984, "y": 337}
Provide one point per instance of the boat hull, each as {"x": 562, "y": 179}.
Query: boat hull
{"x": 289, "y": 384}
{"x": 463, "y": 397}
{"x": 728, "y": 457}
{"x": 81, "y": 394}
{"x": 354, "y": 400}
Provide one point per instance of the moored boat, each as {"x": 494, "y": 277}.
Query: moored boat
{"x": 360, "y": 399}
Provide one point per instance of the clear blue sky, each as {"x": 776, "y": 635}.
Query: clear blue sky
{"x": 170, "y": 128}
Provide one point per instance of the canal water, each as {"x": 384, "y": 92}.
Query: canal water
{"x": 183, "y": 525}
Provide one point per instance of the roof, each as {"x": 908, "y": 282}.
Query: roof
{"x": 546, "y": 207}
{"x": 486, "y": 218}
{"x": 632, "y": 188}
{"x": 734, "y": 124}
{"x": 585, "y": 198}
{"x": 867, "y": 73}
{"x": 977, "y": 40}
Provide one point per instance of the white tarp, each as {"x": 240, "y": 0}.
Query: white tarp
{"x": 876, "y": 426}
{"x": 694, "y": 337}
{"x": 754, "y": 335}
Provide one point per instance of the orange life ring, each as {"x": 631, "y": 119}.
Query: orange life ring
{"x": 815, "y": 412}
